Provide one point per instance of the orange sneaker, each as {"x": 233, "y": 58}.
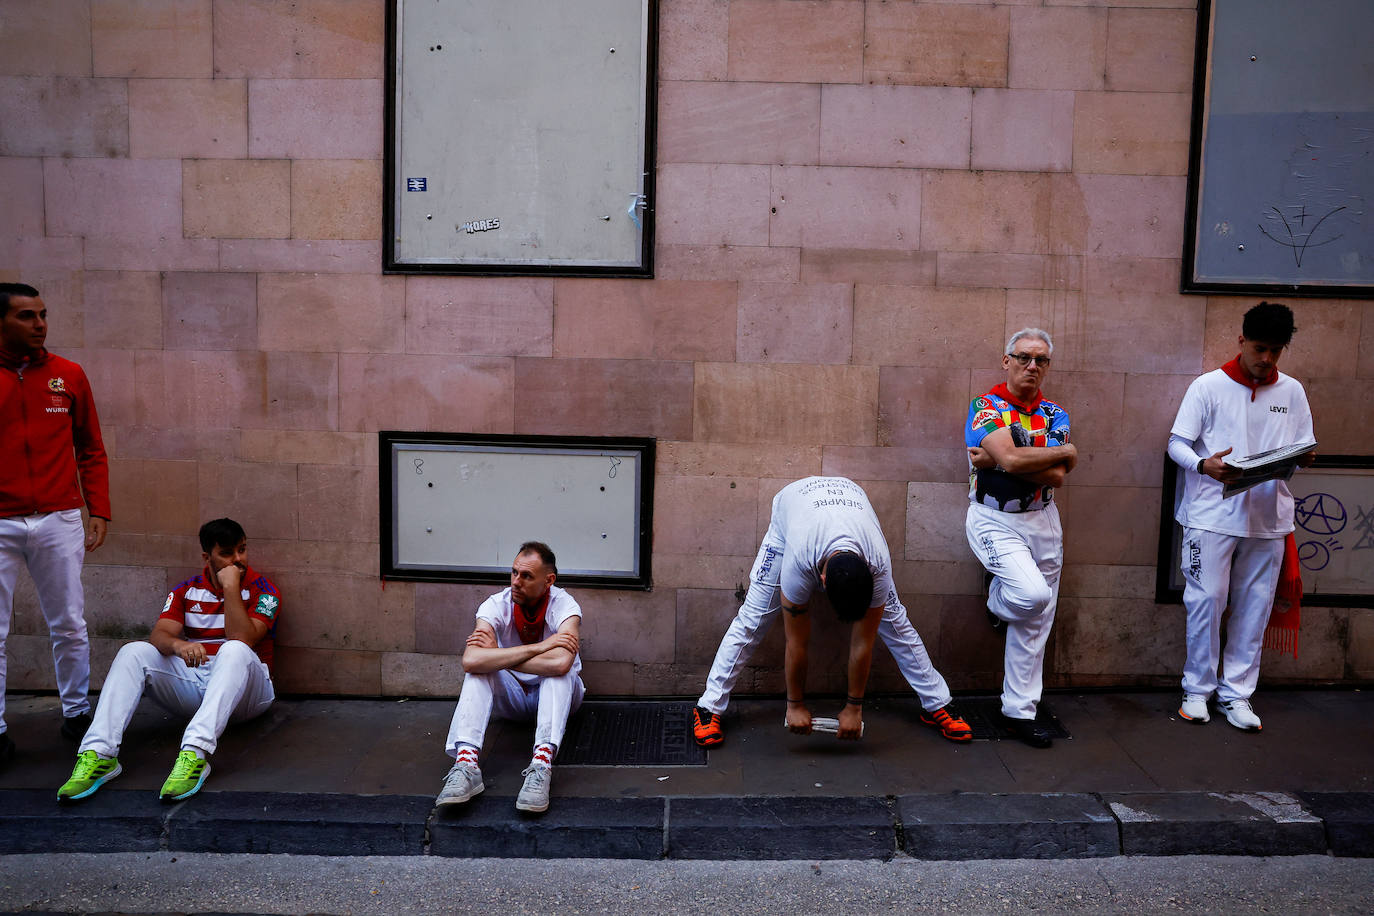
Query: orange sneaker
{"x": 952, "y": 727}
{"x": 706, "y": 727}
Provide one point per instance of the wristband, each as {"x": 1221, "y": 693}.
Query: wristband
{"x": 853, "y": 701}
{"x": 1200, "y": 464}
{"x": 790, "y": 700}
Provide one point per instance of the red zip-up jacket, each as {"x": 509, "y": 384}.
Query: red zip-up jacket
{"x": 49, "y": 432}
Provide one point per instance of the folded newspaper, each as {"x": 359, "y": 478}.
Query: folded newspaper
{"x": 1274, "y": 464}
{"x": 827, "y": 725}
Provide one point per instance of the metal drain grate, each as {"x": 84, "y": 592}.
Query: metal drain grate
{"x": 628, "y": 734}
{"x": 982, "y": 714}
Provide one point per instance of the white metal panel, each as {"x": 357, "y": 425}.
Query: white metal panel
{"x": 524, "y": 120}
{"x": 471, "y": 506}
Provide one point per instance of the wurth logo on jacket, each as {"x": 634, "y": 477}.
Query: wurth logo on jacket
{"x": 51, "y": 450}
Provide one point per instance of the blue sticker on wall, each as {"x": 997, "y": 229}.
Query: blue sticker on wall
{"x": 417, "y": 184}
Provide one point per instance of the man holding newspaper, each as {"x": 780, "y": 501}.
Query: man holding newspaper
{"x": 1237, "y": 511}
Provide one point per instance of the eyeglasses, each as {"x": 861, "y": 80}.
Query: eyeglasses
{"x": 1025, "y": 359}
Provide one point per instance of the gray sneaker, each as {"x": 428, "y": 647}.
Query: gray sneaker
{"x": 534, "y": 794}
{"x": 461, "y": 783}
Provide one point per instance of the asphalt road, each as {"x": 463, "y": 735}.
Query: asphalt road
{"x": 204, "y": 883}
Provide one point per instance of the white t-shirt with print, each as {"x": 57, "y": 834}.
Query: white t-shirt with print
{"x": 816, "y": 516}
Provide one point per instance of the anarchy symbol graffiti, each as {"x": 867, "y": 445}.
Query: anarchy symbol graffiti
{"x": 1320, "y": 513}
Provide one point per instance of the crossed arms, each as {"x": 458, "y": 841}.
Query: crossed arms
{"x": 1044, "y": 465}
{"x": 552, "y": 657}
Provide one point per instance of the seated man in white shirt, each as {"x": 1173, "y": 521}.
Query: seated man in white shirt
{"x": 522, "y": 663}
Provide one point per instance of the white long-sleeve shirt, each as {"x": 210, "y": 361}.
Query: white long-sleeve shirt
{"x": 1218, "y": 413}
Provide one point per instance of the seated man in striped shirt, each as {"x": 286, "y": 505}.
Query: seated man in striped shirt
{"x": 209, "y": 657}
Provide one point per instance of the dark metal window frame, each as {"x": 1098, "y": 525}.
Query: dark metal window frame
{"x": 1188, "y": 281}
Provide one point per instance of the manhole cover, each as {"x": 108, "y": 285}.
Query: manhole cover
{"x": 629, "y": 734}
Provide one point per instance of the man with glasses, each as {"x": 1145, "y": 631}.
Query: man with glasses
{"x": 1019, "y": 451}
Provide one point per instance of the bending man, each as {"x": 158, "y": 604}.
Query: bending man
{"x": 824, "y": 535}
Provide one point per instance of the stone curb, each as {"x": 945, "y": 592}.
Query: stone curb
{"x": 935, "y": 826}
{"x": 780, "y": 828}
{"x": 975, "y": 826}
{"x": 1349, "y": 819}
{"x": 602, "y": 828}
{"x": 274, "y": 822}
{"x": 1215, "y": 823}
{"x": 31, "y": 820}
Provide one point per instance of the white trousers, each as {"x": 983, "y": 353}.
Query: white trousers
{"x": 1024, "y": 551}
{"x": 1218, "y": 567}
{"x": 548, "y": 703}
{"x": 761, "y": 606}
{"x": 52, "y": 545}
{"x": 233, "y": 685}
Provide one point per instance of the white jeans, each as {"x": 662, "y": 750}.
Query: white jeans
{"x": 233, "y": 685}
{"x": 52, "y": 545}
{"x": 1024, "y": 551}
{"x": 1217, "y": 567}
{"x": 548, "y": 703}
{"x": 760, "y": 608}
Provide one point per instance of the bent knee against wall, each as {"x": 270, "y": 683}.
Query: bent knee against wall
{"x": 1028, "y": 601}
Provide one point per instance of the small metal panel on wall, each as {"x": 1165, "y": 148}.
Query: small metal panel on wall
{"x": 1334, "y": 529}
{"x": 519, "y": 137}
{"x": 1281, "y": 161}
{"x": 455, "y": 507}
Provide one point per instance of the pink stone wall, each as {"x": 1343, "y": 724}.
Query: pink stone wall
{"x": 859, "y": 200}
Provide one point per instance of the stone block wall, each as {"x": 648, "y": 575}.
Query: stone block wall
{"x": 858, "y": 201}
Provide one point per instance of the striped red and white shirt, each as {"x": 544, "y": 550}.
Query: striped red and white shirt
{"x": 198, "y": 605}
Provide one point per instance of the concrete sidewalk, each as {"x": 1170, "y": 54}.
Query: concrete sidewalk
{"x": 343, "y": 777}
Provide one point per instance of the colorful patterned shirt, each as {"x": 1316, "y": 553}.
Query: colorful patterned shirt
{"x": 198, "y": 606}
{"x": 1041, "y": 423}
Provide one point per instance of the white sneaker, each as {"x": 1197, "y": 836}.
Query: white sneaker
{"x": 534, "y": 794}
{"x": 462, "y": 782}
{"x": 1194, "y": 708}
{"x": 1239, "y": 714}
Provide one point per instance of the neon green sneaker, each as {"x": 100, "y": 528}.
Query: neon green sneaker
{"x": 90, "y": 773}
{"x": 188, "y": 775}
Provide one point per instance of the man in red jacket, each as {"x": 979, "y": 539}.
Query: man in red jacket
{"x": 50, "y": 454}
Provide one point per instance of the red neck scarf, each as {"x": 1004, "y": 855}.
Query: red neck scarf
{"x": 529, "y": 622}
{"x": 1003, "y": 392}
{"x": 1237, "y": 374}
